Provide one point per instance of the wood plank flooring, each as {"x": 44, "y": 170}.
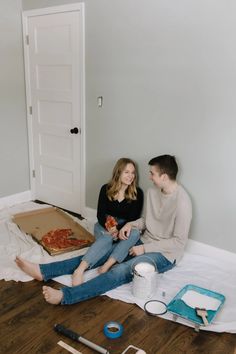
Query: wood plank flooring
{"x": 26, "y": 326}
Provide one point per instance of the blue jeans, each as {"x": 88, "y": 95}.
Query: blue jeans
{"x": 119, "y": 274}
{"x": 105, "y": 243}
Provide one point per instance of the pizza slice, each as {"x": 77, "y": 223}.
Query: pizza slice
{"x": 110, "y": 222}
{"x": 58, "y": 240}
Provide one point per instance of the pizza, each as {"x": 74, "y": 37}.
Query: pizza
{"x": 58, "y": 240}
{"x": 110, "y": 222}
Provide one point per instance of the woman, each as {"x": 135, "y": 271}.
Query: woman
{"x": 120, "y": 201}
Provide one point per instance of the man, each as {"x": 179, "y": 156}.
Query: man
{"x": 168, "y": 213}
{"x": 164, "y": 228}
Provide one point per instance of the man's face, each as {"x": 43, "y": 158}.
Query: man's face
{"x": 156, "y": 177}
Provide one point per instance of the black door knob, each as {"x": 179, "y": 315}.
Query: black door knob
{"x": 74, "y": 130}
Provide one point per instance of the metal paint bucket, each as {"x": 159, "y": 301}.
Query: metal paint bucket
{"x": 145, "y": 280}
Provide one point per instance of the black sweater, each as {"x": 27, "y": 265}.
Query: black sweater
{"x": 127, "y": 210}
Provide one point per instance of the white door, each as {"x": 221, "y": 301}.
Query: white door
{"x": 55, "y": 74}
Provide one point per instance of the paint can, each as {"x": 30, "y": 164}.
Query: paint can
{"x": 144, "y": 280}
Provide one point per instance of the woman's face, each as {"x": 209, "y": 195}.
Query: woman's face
{"x": 128, "y": 174}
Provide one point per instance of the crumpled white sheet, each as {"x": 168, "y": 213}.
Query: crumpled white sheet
{"x": 13, "y": 242}
{"x": 194, "y": 269}
{"x": 197, "y": 270}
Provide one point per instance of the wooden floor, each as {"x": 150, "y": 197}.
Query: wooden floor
{"x": 26, "y": 326}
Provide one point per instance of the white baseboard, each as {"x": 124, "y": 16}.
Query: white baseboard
{"x": 194, "y": 247}
{"x": 203, "y": 249}
{"x": 14, "y": 199}
{"x": 90, "y": 214}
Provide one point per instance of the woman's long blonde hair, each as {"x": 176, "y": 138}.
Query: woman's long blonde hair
{"x": 114, "y": 184}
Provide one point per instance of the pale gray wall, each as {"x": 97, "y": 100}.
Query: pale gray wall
{"x": 36, "y": 4}
{"x": 166, "y": 70}
{"x": 14, "y": 174}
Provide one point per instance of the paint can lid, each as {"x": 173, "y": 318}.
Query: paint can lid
{"x": 155, "y": 307}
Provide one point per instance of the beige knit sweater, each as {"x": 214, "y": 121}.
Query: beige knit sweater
{"x": 166, "y": 223}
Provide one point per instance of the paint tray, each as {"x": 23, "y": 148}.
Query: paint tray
{"x": 178, "y": 307}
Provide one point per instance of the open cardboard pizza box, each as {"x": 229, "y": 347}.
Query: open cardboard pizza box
{"x": 39, "y": 222}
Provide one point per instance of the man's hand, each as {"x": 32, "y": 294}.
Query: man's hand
{"x": 125, "y": 232}
{"x": 137, "y": 250}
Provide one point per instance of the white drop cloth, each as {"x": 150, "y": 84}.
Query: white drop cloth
{"x": 13, "y": 242}
{"x": 194, "y": 269}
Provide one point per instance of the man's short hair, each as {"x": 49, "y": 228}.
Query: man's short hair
{"x": 166, "y": 164}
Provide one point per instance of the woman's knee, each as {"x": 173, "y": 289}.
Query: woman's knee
{"x": 98, "y": 230}
{"x": 134, "y": 235}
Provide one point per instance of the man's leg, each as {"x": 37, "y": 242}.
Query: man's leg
{"x": 161, "y": 262}
{"x": 30, "y": 268}
{"x": 55, "y": 269}
{"x": 49, "y": 270}
{"x": 118, "y": 275}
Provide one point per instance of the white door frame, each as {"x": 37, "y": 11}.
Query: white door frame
{"x": 44, "y": 11}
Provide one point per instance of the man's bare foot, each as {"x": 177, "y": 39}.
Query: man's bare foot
{"x": 52, "y": 296}
{"x": 77, "y": 277}
{"x": 29, "y": 268}
{"x": 106, "y": 266}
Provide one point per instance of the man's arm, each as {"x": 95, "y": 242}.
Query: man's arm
{"x": 125, "y": 231}
{"x": 180, "y": 232}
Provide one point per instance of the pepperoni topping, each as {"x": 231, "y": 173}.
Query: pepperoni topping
{"x": 59, "y": 239}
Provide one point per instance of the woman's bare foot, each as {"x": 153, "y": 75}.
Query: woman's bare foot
{"x": 52, "y": 296}
{"x": 107, "y": 265}
{"x": 29, "y": 268}
{"x": 77, "y": 277}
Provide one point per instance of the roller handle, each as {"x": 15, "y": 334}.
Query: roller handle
{"x": 78, "y": 338}
{"x": 66, "y": 332}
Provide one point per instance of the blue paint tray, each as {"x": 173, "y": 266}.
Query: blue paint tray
{"x": 179, "y": 308}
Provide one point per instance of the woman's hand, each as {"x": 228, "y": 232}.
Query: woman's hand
{"x": 113, "y": 231}
{"x": 137, "y": 250}
{"x": 125, "y": 232}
